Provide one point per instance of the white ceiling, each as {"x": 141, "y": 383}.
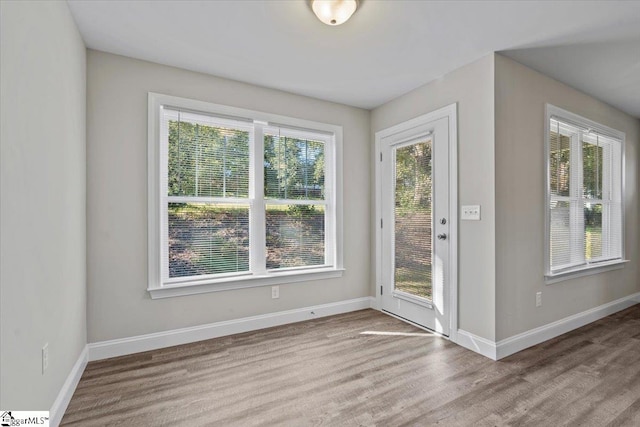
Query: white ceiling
{"x": 387, "y": 48}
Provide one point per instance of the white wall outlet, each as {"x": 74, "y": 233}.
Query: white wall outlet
{"x": 45, "y": 357}
{"x": 538, "y": 299}
{"x": 470, "y": 213}
{"x": 275, "y": 292}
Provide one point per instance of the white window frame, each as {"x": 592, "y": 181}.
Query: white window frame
{"x": 159, "y": 285}
{"x": 579, "y": 268}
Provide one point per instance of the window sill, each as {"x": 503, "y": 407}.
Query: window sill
{"x": 584, "y": 271}
{"x": 241, "y": 282}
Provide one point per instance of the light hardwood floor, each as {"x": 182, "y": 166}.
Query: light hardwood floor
{"x": 366, "y": 368}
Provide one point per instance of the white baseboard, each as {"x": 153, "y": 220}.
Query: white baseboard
{"x": 516, "y": 343}
{"x": 488, "y": 348}
{"x": 137, "y": 344}
{"x": 475, "y": 343}
{"x": 375, "y": 303}
{"x": 68, "y": 388}
{"x": 506, "y": 347}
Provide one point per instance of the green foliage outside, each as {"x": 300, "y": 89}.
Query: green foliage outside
{"x": 592, "y": 175}
{"x": 560, "y": 165}
{"x": 293, "y": 168}
{"x": 208, "y": 161}
{"x": 413, "y": 200}
{"x": 295, "y": 236}
{"x": 592, "y": 158}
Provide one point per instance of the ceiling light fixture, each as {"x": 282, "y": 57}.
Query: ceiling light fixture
{"x": 334, "y": 12}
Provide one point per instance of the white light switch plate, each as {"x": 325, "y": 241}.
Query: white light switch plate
{"x": 470, "y": 213}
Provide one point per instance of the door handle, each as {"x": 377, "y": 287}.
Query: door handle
{"x": 442, "y": 236}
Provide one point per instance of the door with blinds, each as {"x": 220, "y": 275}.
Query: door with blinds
{"x": 414, "y": 194}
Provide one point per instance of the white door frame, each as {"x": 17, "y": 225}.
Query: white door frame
{"x": 449, "y": 112}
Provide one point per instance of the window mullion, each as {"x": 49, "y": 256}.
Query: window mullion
{"x": 606, "y": 210}
{"x": 257, "y": 215}
{"x": 577, "y": 203}
{"x": 207, "y": 188}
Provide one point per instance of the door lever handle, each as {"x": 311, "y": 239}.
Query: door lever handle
{"x": 442, "y": 236}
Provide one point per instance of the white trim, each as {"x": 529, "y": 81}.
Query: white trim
{"x": 451, "y": 113}
{"x": 453, "y": 219}
{"x": 612, "y": 136}
{"x": 68, "y": 388}
{"x": 123, "y": 346}
{"x": 154, "y": 214}
{"x": 477, "y": 344}
{"x": 483, "y": 346}
{"x": 413, "y": 298}
{"x": 375, "y": 301}
{"x": 560, "y": 114}
{"x": 417, "y": 325}
{"x": 273, "y": 277}
{"x": 516, "y": 343}
{"x": 585, "y": 270}
{"x": 255, "y": 122}
{"x": 508, "y": 346}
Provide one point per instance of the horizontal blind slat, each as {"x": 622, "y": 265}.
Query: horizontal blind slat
{"x": 585, "y": 179}
{"x": 295, "y": 236}
{"x": 210, "y": 160}
{"x": 293, "y": 168}
{"x": 207, "y": 239}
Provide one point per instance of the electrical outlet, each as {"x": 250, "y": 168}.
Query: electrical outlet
{"x": 45, "y": 357}
{"x": 275, "y": 292}
{"x": 538, "y": 299}
{"x": 470, "y": 213}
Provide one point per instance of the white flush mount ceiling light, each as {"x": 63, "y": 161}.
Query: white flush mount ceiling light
{"x": 334, "y": 12}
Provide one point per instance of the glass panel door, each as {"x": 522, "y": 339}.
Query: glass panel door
{"x": 413, "y": 220}
{"x": 414, "y": 236}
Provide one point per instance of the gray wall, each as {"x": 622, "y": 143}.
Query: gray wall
{"x": 54, "y": 298}
{"x": 521, "y": 94}
{"x": 472, "y": 88}
{"x": 43, "y": 274}
{"x": 118, "y": 304}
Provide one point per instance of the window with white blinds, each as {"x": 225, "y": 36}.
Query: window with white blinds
{"x": 238, "y": 196}
{"x": 207, "y": 194}
{"x": 294, "y": 189}
{"x": 584, "y": 194}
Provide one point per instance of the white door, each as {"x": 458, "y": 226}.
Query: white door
{"x": 415, "y": 222}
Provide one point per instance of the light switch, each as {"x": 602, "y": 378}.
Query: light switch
{"x": 470, "y": 213}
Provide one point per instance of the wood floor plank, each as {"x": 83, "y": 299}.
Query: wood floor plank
{"x": 366, "y": 369}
